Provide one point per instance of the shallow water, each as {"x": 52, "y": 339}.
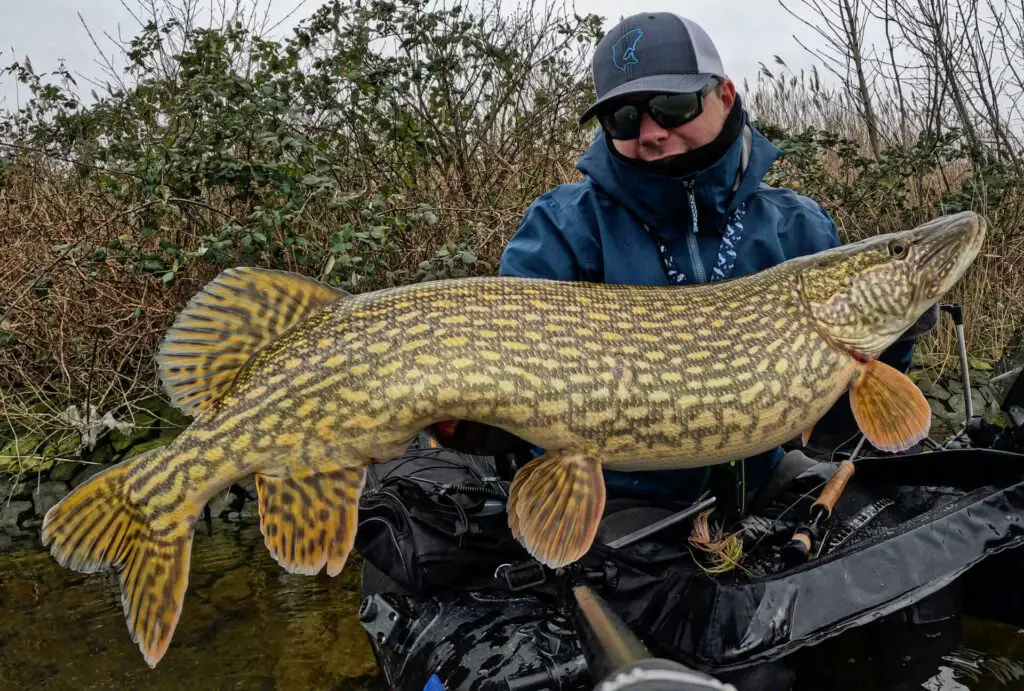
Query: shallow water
{"x": 247, "y": 624}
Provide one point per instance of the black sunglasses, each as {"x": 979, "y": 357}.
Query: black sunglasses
{"x": 668, "y": 110}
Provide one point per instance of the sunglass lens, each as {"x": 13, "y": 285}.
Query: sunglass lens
{"x": 623, "y": 122}
{"x": 675, "y": 109}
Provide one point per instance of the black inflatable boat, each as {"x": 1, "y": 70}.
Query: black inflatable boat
{"x": 913, "y": 543}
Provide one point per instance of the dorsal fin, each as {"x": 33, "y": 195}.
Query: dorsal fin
{"x": 226, "y": 323}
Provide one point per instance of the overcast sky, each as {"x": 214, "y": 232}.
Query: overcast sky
{"x": 746, "y": 31}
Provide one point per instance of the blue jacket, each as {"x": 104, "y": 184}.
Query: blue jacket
{"x": 593, "y": 230}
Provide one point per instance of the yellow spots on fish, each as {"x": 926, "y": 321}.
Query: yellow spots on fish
{"x": 335, "y": 361}
{"x": 198, "y": 473}
{"x": 353, "y": 396}
{"x": 780, "y": 322}
{"x": 487, "y": 333}
{"x": 397, "y": 391}
{"x": 774, "y": 345}
{"x": 781, "y": 366}
{"x": 507, "y": 323}
{"x": 645, "y": 378}
{"x": 303, "y": 379}
{"x": 532, "y": 335}
{"x": 598, "y": 316}
{"x": 775, "y": 386}
{"x": 277, "y": 379}
{"x": 444, "y": 304}
{"x": 417, "y": 329}
{"x": 479, "y": 380}
{"x": 378, "y": 347}
{"x": 214, "y": 454}
{"x": 325, "y": 343}
{"x": 518, "y": 414}
{"x": 447, "y": 395}
{"x": 557, "y": 384}
{"x": 376, "y": 327}
{"x": 596, "y": 418}
{"x": 241, "y": 442}
{"x": 740, "y": 362}
{"x": 308, "y": 407}
{"x": 541, "y": 305}
{"x": 515, "y": 346}
{"x": 455, "y": 319}
{"x": 292, "y": 363}
{"x": 699, "y": 355}
{"x": 636, "y": 412}
{"x": 717, "y": 323}
{"x": 461, "y": 363}
{"x": 269, "y": 422}
{"x": 366, "y": 422}
{"x": 490, "y": 355}
{"x": 413, "y": 345}
{"x": 256, "y": 393}
{"x": 752, "y": 392}
{"x": 390, "y": 368}
{"x": 426, "y": 360}
{"x": 407, "y": 316}
{"x": 659, "y": 396}
{"x": 670, "y": 377}
{"x": 570, "y": 352}
{"x": 718, "y": 367}
{"x": 762, "y": 366}
{"x": 553, "y": 408}
{"x": 816, "y": 359}
{"x": 799, "y": 342}
{"x": 506, "y": 386}
{"x": 580, "y": 378}
{"x": 435, "y": 379}
{"x": 703, "y": 420}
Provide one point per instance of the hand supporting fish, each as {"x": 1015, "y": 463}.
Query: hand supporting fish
{"x": 304, "y": 386}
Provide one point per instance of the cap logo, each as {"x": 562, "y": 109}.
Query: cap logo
{"x": 624, "y": 50}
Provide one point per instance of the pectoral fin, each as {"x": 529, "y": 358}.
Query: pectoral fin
{"x": 889, "y": 408}
{"x": 555, "y": 505}
{"x": 310, "y": 521}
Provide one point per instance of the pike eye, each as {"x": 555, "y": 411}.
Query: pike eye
{"x": 898, "y": 249}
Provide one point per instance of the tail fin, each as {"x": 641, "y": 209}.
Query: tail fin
{"x": 96, "y": 527}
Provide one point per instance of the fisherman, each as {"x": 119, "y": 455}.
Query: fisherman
{"x": 673, "y": 193}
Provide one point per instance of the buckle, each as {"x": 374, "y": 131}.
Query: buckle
{"x": 521, "y": 575}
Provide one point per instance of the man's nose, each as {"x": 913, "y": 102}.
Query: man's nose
{"x": 650, "y": 131}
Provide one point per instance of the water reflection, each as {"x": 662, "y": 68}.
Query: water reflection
{"x": 246, "y": 624}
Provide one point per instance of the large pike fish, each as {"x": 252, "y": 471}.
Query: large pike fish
{"x": 304, "y": 386}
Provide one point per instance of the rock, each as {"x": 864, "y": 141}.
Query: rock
{"x": 9, "y": 489}
{"x": 103, "y": 453}
{"x": 955, "y": 386}
{"x": 924, "y": 383}
{"x": 938, "y": 407}
{"x": 47, "y": 495}
{"x": 977, "y": 401}
{"x": 940, "y": 392}
{"x": 11, "y": 514}
{"x": 231, "y": 591}
{"x": 64, "y": 471}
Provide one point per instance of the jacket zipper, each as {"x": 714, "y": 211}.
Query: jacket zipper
{"x": 691, "y": 240}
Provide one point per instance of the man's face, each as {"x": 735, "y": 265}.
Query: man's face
{"x": 656, "y": 142}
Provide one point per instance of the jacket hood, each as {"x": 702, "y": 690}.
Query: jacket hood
{"x": 661, "y": 201}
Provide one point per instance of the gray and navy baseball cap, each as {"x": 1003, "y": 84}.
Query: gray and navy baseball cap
{"x": 654, "y": 51}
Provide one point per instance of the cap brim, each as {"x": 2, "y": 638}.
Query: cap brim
{"x": 664, "y": 83}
